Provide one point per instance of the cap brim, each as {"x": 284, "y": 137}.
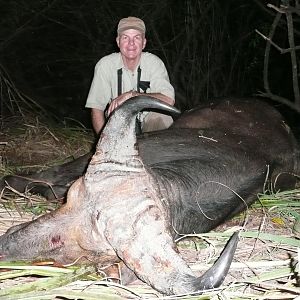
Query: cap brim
{"x": 131, "y": 27}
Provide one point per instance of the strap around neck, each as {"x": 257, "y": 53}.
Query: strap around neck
{"x": 120, "y": 81}
{"x": 139, "y": 70}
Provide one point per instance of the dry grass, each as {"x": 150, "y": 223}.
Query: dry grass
{"x": 30, "y": 145}
{"x": 265, "y": 261}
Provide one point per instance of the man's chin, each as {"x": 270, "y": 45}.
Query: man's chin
{"x": 131, "y": 55}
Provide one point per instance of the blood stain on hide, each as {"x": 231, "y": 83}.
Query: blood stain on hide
{"x": 56, "y": 241}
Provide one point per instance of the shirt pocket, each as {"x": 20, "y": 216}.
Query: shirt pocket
{"x": 144, "y": 86}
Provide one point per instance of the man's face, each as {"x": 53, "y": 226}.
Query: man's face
{"x": 131, "y": 43}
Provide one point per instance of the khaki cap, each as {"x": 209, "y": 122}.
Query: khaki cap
{"x": 131, "y": 23}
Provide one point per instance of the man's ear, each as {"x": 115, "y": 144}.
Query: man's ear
{"x": 118, "y": 41}
{"x": 144, "y": 43}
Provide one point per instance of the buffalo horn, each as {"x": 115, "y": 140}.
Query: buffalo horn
{"x": 117, "y": 143}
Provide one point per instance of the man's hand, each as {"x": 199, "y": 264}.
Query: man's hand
{"x": 119, "y": 100}
{"x": 125, "y": 96}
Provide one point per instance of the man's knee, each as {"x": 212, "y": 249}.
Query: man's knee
{"x": 156, "y": 121}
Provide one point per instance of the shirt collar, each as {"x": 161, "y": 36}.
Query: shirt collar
{"x": 120, "y": 64}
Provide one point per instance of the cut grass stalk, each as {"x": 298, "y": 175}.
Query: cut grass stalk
{"x": 42, "y": 284}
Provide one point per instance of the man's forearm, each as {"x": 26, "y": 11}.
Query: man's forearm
{"x": 159, "y": 96}
{"x": 98, "y": 119}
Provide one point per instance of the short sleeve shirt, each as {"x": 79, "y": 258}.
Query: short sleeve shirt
{"x": 104, "y": 87}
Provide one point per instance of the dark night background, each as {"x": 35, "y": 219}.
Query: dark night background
{"x": 48, "y": 49}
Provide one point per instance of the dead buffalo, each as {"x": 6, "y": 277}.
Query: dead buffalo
{"x": 138, "y": 193}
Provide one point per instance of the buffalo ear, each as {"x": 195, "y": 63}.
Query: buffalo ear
{"x": 76, "y": 192}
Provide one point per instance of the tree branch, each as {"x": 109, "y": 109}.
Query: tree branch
{"x": 287, "y": 10}
{"x": 291, "y": 39}
{"x": 280, "y": 99}
{"x": 281, "y": 50}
